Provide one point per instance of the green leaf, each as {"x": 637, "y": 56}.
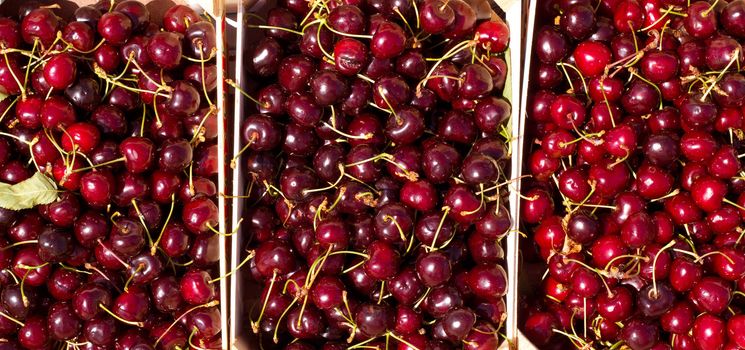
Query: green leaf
{"x": 36, "y": 190}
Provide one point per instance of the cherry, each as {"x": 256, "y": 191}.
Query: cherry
{"x": 84, "y": 94}
{"x": 656, "y": 300}
{"x": 639, "y": 334}
{"x": 178, "y": 18}
{"x": 493, "y": 35}
{"x": 617, "y": 305}
{"x": 200, "y": 38}
{"x": 164, "y": 49}
{"x": 708, "y": 332}
{"x": 200, "y": 215}
{"x": 567, "y": 111}
{"x": 347, "y": 19}
{"x": 659, "y": 66}
{"x": 34, "y": 334}
{"x": 734, "y": 327}
{"x": 41, "y": 24}
{"x": 60, "y": 71}
{"x": 294, "y": 72}
{"x": 10, "y": 33}
{"x": 137, "y": 12}
{"x": 89, "y": 299}
{"x": 100, "y": 331}
{"x": 433, "y": 269}
{"x": 487, "y": 282}
{"x": 539, "y": 327}
{"x": 166, "y": 295}
{"x": 115, "y": 27}
{"x": 196, "y": 288}
{"x": 56, "y": 112}
{"x": 82, "y": 137}
{"x": 711, "y": 294}
{"x": 436, "y": 16}
{"x": 184, "y": 99}
{"x": 465, "y": 18}
{"x": 591, "y": 57}
{"x": 700, "y": 22}
{"x": 54, "y": 245}
{"x": 724, "y": 163}
{"x": 388, "y": 40}
{"x": 96, "y": 188}
{"x": 62, "y": 322}
{"x": 107, "y": 57}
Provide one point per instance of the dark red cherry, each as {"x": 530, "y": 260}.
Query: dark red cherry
{"x": 41, "y": 24}
{"x": 115, "y": 27}
{"x": 164, "y": 49}
{"x": 60, "y": 71}
{"x": 178, "y": 18}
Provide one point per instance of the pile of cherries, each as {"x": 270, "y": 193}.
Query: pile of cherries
{"x": 637, "y": 196}
{"x": 375, "y": 170}
{"x": 117, "y": 111}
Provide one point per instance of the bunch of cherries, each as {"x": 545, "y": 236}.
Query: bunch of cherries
{"x": 637, "y": 196}
{"x": 118, "y": 112}
{"x": 375, "y": 170}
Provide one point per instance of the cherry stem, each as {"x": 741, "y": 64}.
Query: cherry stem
{"x": 3, "y": 314}
{"x": 243, "y": 92}
{"x": 20, "y": 86}
{"x": 562, "y": 64}
{"x": 255, "y": 325}
{"x": 481, "y": 204}
{"x": 142, "y": 220}
{"x": 178, "y": 319}
{"x": 659, "y": 92}
{"x": 608, "y": 265}
{"x": 231, "y": 233}
{"x": 672, "y": 193}
{"x": 200, "y": 130}
{"x": 388, "y": 218}
{"x": 131, "y": 323}
{"x": 279, "y": 320}
{"x": 707, "y": 11}
{"x": 429, "y": 77}
{"x": 433, "y": 246}
{"x": 497, "y": 186}
{"x": 735, "y": 57}
{"x": 130, "y": 58}
{"x": 201, "y": 55}
{"x": 248, "y": 258}
{"x": 19, "y": 243}
{"x": 132, "y": 276}
{"x": 355, "y": 137}
{"x": 411, "y": 346}
{"x": 385, "y": 99}
{"x": 324, "y": 23}
{"x": 712, "y": 253}
{"x": 667, "y": 11}
{"x": 234, "y": 160}
{"x": 576, "y": 340}
{"x": 117, "y": 258}
{"x": 102, "y": 74}
{"x": 191, "y": 344}
{"x": 654, "y": 265}
{"x": 330, "y": 186}
{"x": 204, "y": 75}
{"x": 91, "y": 267}
{"x": 353, "y": 267}
{"x": 261, "y": 26}
{"x": 311, "y": 11}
